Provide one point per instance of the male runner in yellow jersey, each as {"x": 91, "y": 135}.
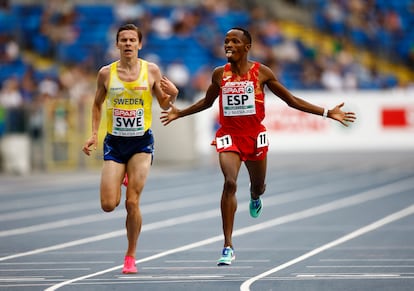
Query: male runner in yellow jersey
{"x": 128, "y": 85}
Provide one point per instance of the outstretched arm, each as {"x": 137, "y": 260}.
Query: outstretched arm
{"x": 336, "y": 113}
{"x": 202, "y": 104}
{"x": 342, "y": 116}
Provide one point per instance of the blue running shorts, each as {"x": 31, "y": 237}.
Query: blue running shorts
{"x": 120, "y": 149}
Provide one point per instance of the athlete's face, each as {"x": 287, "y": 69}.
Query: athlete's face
{"x": 128, "y": 43}
{"x": 235, "y": 45}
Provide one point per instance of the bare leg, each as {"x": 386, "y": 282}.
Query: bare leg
{"x": 257, "y": 173}
{"x": 138, "y": 168}
{"x": 112, "y": 174}
{"x": 230, "y": 165}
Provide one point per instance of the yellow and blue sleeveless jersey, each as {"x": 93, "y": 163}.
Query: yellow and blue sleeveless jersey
{"x": 128, "y": 104}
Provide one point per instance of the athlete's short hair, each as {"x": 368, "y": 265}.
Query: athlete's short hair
{"x": 245, "y": 33}
{"x": 129, "y": 26}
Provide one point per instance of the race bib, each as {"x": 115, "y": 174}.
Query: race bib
{"x": 238, "y": 98}
{"x": 128, "y": 122}
{"x": 262, "y": 140}
{"x": 224, "y": 142}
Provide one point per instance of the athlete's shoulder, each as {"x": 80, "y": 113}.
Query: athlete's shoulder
{"x": 266, "y": 73}
{"x": 105, "y": 70}
{"x": 218, "y": 69}
{"x": 151, "y": 66}
{"x": 104, "y": 74}
{"x": 264, "y": 68}
{"x": 217, "y": 74}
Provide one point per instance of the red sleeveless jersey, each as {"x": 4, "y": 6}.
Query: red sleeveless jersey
{"x": 241, "y": 100}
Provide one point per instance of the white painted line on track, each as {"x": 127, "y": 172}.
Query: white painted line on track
{"x": 375, "y": 193}
{"x": 56, "y": 263}
{"x": 171, "y": 277}
{"x": 367, "y": 260}
{"x": 310, "y": 212}
{"x": 151, "y": 208}
{"x": 305, "y": 193}
{"x": 352, "y": 276}
{"x": 22, "y": 279}
{"x": 209, "y": 261}
{"x": 48, "y": 210}
{"x": 39, "y": 269}
{"x": 113, "y": 234}
{"x": 360, "y": 266}
{"x": 359, "y": 232}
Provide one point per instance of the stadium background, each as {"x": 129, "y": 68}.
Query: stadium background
{"x": 357, "y": 51}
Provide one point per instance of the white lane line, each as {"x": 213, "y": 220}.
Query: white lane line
{"x": 161, "y": 206}
{"x": 174, "y": 277}
{"x": 56, "y": 263}
{"x": 278, "y": 199}
{"x": 324, "y": 208}
{"x": 359, "y": 232}
{"x": 360, "y": 266}
{"x": 211, "y": 267}
{"x": 22, "y": 279}
{"x": 51, "y": 269}
{"x": 209, "y": 261}
{"x": 306, "y": 193}
{"x": 152, "y": 208}
{"x": 122, "y": 232}
{"x": 364, "y": 275}
{"x": 48, "y": 210}
{"x": 60, "y": 224}
{"x": 366, "y": 260}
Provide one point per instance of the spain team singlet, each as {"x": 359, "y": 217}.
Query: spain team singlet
{"x": 241, "y": 102}
{"x": 128, "y": 104}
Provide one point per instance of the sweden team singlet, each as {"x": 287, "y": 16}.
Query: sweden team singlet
{"x": 241, "y": 102}
{"x": 128, "y": 104}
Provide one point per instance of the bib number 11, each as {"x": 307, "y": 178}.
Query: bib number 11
{"x": 224, "y": 141}
{"x": 262, "y": 140}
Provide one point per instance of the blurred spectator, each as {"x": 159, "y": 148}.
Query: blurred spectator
{"x": 128, "y": 11}
{"x": 162, "y": 27}
{"x": 311, "y": 75}
{"x": 178, "y": 73}
{"x": 9, "y": 49}
{"x": 58, "y": 23}
{"x": 12, "y": 101}
{"x": 36, "y": 119}
{"x": 28, "y": 85}
{"x": 10, "y": 96}
{"x": 77, "y": 84}
{"x": 49, "y": 88}
{"x": 382, "y": 26}
{"x": 331, "y": 77}
{"x": 201, "y": 80}
{"x": 334, "y": 14}
{"x": 287, "y": 51}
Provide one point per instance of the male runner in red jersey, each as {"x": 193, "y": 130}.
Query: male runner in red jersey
{"x": 242, "y": 137}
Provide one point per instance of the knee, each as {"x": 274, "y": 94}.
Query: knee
{"x": 131, "y": 205}
{"x": 257, "y": 190}
{"x": 230, "y": 187}
{"x": 107, "y": 206}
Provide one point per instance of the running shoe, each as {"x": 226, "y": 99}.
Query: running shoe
{"x": 226, "y": 257}
{"x": 125, "y": 181}
{"x": 129, "y": 265}
{"x": 255, "y": 207}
